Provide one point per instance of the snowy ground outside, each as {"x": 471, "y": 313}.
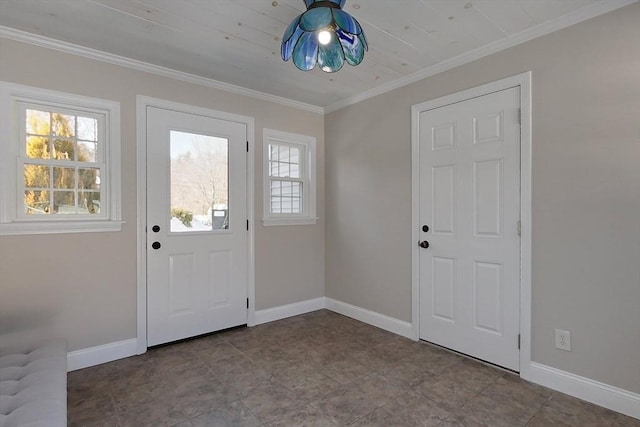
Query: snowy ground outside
{"x": 199, "y": 223}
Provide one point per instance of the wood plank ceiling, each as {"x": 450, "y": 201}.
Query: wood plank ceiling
{"x": 238, "y": 41}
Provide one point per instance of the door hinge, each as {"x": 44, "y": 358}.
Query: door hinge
{"x": 247, "y": 146}
{"x": 518, "y": 341}
{"x": 519, "y": 228}
{"x": 247, "y": 225}
{"x": 248, "y": 307}
{"x": 519, "y": 116}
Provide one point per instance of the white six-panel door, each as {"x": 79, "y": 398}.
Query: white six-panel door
{"x": 469, "y": 200}
{"x": 196, "y": 225}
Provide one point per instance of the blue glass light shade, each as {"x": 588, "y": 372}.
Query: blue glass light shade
{"x": 347, "y": 43}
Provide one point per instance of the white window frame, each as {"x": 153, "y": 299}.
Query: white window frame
{"x": 13, "y": 100}
{"x": 308, "y": 179}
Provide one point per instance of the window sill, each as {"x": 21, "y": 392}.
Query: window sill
{"x": 54, "y": 227}
{"x": 289, "y": 221}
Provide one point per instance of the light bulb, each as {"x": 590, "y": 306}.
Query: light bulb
{"x": 324, "y": 37}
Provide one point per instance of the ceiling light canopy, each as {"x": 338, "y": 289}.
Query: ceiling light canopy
{"x": 324, "y": 35}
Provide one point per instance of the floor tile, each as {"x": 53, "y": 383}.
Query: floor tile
{"x": 518, "y": 393}
{"x": 447, "y": 393}
{"x": 380, "y": 418}
{"x": 162, "y": 412}
{"x": 311, "y": 385}
{"x": 577, "y": 412}
{"x": 102, "y": 422}
{"x": 201, "y": 395}
{"x": 415, "y": 409}
{"x": 346, "y": 371}
{"x": 378, "y": 388}
{"x": 472, "y": 375}
{"x": 231, "y": 414}
{"x": 298, "y": 415}
{"x": 91, "y": 410}
{"x": 316, "y": 369}
{"x": 267, "y": 398}
{"x": 344, "y": 407}
{"x": 484, "y": 411}
{"x": 407, "y": 373}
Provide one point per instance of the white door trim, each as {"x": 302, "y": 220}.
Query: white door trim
{"x": 524, "y": 82}
{"x": 142, "y": 102}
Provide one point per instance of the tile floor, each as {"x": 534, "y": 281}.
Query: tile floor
{"x": 317, "y": 369}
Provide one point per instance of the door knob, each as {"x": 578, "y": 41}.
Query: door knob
{"x": 156, "y": 245}
{"x": 425, "y": 228}
{"x": 424, "y": 244}
{"x": 155, "y": 228}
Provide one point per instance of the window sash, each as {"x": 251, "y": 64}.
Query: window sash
{"x": 99, "y": 164}
{"x": 301, "y": 163}
{"x": 21, "y": 207}
{"x": 302, "y": 179}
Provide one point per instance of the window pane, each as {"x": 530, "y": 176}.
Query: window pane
{"x": 38, "y": 122}
{"x": 276, "y": 188}
{"x": 296, "y": 189}
{"x": 63, "y": 125}
{"x": 36, "y": 176}
{"x": 273, "y": 152}
{"x": 89, "y": 202}
{"x": 273, "y": 168}
{"x": 87, "y": 128}
{"x": 64, "y": 149}
{"x": 88, "y": 179}
{"x": 286, "y": 188}
{"x": 199, "y": 182}
{"x": 284, "y": 170}
{"x": 276, "y": 205}
{"x": 284, "y": 153}
{"x": 37, "y": 147}
{"x": 64, "y": 178}
{"x": 296, "y": 205}
{"x": 295, "y": 155}
{"x": 295, "y": 171}
{"x": 286, "y": 205}
{"x": 36, "y": 202}
{"x": 87, "y": 151}
{"x": 64, "y": 202}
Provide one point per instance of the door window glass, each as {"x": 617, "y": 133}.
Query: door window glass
{"x": 199, "y": 182}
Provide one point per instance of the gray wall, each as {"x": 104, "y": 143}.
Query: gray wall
{"x": 83, "y": 286}
{"x": 586, "y": 193}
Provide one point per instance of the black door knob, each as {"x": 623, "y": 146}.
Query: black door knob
{"x": 156, "y": 245}
{"x": 424, "y": 244}
{"x": 425, "y": 228}
{"x": 155, "y": 228}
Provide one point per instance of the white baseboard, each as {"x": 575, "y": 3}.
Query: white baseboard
{"x": 288, "y": 310}
{"x": 97, "y": 355}
{"x": 601, "y": 394}
{"x": 382, "y": 321}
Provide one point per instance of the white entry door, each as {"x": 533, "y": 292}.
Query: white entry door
{"x": 196, "y": 225}
{"x": 469, "y": 216}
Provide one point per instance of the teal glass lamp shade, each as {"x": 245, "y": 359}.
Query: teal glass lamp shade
{"x": 344, "y": 40}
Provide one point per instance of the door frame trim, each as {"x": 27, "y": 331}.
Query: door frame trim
{"x": 142, "y": 102}
{"x": 523, "y": 81}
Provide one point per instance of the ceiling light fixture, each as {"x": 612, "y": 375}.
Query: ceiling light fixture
{"x": 324, "y": 35}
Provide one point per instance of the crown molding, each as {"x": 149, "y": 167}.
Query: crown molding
{"x": 545, "y": 28}
{"x": 74, "y": 49}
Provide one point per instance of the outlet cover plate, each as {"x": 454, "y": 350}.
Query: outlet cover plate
{"x": 563, "y": 340}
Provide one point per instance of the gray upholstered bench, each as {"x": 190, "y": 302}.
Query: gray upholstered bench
{"x": 33, "y": 386}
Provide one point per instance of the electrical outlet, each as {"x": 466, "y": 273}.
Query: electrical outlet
{"x": 563, "y": 340}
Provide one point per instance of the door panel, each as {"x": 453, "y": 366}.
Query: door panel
{"x": 196, "y": 216}
{"x": 470, "y": 198}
